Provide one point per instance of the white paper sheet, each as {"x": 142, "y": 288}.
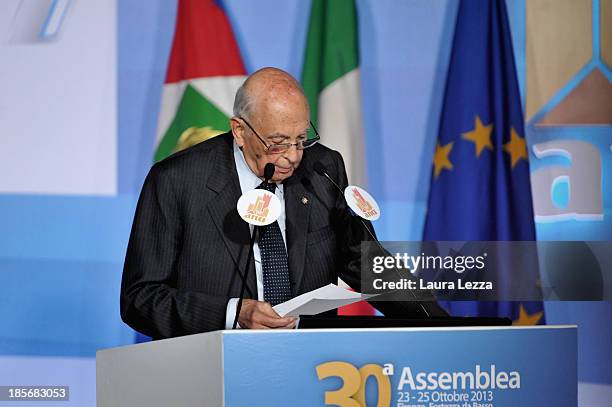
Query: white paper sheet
{"x": 320, "y": 300}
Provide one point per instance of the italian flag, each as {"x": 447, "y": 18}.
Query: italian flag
{"x": 204, "y": 72}
{"x": 331, "y": 81}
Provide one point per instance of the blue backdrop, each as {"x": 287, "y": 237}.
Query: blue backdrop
{"x": 61, "y": 256}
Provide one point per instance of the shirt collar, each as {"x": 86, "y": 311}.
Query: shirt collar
{"x": 248, "y": 179}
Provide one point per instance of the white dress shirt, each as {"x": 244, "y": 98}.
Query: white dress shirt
{"x": 248, "y": 181}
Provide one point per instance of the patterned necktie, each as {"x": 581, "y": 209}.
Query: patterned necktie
{"x": 277, "y": 288}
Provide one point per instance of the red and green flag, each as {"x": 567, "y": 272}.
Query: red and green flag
{"x": 204, "y": 71}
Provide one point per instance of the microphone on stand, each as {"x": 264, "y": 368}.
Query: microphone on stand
{"x": 268, "y": 174}
{"x": 322, "y": 171}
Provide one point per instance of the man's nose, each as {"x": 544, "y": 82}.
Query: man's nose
{"x": 292, "y": 155}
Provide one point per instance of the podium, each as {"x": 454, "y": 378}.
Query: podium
{"x": 432, "y": 367}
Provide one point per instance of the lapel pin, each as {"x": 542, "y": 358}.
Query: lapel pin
{"x": 305, "y": 200}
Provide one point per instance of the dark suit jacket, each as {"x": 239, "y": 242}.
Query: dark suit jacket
{"x": 188, "y": 247}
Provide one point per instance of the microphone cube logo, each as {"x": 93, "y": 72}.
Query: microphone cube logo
{"x": 363, "y": 204}
{"x": 258, "y": 210}
{"x": 259, "y": 207}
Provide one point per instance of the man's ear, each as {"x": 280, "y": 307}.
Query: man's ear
{"x": 237, "y": 131}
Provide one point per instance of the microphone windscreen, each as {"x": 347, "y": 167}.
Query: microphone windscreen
{"x": 269, "y": 171}
{"x": 319, "y": 168}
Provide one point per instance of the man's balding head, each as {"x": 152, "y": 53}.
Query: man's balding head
{"x": 266, "y": 86}
{"x": 274, "y": 104}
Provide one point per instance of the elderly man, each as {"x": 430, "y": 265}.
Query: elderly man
{"x": 188, "y": 248}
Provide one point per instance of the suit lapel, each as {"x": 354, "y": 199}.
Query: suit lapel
{"x": 297, "y": 209}
{"x": 233, "y": 230}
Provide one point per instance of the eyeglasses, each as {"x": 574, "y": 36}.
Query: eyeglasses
{"x": 277, "y": 148}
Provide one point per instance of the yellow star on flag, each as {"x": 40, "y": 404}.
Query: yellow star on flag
{"x": 526, "y": 319}
{"x": 516, "y": 147}
{"x": 481, "y": 136}
{"x": 441, "y": 160}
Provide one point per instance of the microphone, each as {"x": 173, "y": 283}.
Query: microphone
{"x": 268, "y": 174}
{"x": 322, "y": 171}
{"x": 269, "y": 171}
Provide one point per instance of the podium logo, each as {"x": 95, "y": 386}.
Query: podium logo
{"x": 479, "y": 379}
{"x": 352, "y": 392}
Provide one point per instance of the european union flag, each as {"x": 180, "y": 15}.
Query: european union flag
{"x": 480, "y": 188}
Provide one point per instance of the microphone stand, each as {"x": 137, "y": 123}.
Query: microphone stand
{"x": 246, "y": 274}
{"x": 321, "y": 170}
{"x": 268, "y": 174}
